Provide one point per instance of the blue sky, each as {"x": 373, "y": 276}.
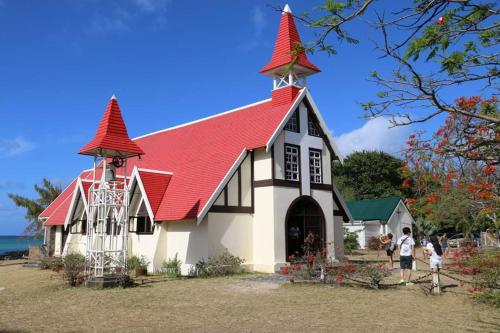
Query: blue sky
{"x": 168, "y": 62}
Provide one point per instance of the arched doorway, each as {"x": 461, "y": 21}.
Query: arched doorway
{"x": 304, "y": 216}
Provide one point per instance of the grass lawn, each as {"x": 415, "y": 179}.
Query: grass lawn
{"x": 38, "y": 301}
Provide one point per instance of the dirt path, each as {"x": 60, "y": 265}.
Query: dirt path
{"x": 38, "y": 301}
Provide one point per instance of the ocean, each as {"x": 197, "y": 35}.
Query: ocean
{"x": 17, "y": 243}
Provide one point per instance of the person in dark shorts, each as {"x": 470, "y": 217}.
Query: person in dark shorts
{"x": 389, "y": 245}
{"x": 406, "y": 246}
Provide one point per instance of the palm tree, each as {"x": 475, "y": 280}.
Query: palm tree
{"x": 47, "y": 193}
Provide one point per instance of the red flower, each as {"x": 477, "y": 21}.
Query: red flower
{"x": 432, "y": 198}
{"x": 489, "y": 170}
{"x": 406, "y": 183}
{"x": 471, "y": 188}
{"x": 440, "y": 21}
{"x": 410, "y": 201}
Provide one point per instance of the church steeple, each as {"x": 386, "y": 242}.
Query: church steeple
{"x": 289, "y": 64}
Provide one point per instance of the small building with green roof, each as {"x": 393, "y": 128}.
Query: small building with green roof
{"x": 373, "y": 217}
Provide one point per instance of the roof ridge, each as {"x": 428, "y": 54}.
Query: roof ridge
{"x": 202, "y": 119}
{"x": 155, "y": 171}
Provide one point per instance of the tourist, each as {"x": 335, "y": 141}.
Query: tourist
{"x": 309, "y": 244}
{"x": 406, "y": 246}
{"x": 444, "y": 245}
{"x": 389, "y": 245}
{"x": 435, "y": 252}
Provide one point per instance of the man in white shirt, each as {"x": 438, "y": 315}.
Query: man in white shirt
{"x": 406, "y": 246}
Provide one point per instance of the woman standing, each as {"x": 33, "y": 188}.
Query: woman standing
{"x": 389, "y": 245}
{"x": 435, "y": 252}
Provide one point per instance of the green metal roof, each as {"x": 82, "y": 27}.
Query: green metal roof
{"x": 373, "y": 209}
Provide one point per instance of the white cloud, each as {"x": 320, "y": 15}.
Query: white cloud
{"x": 11, "y": 147}
{"x": 152, "y": 5}
{"x": 259, "y": 23}
{"x": 108, "y": 24}
{"x": 375, "y": 134}
{"x": 123, "y": 16}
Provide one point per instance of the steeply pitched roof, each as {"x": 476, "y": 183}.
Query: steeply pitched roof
{"x": 285, "y": 48}
{"x": 155, "y": 184}
{"x": 112, "y": 138}
{"x": 200, "y": 155}
{"x": 373, "y": 209}
{"x": 67, "y": 192}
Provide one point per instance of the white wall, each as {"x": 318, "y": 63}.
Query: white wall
{"x": 305, "y": 141}
{"x": 263, "y": 229}
{"x": 279, "y": 156}
{"x": 262, "y": 164}
{"x": 283, "y": 198}
{"x": 325, "y": 200}
{"x": 232, "y": 190}
{"x": 233, "y": 232}
{"x": 397, "y": 221}
{"x": 359, "y": 229}
{"x": 58, "y": 241}
{"x": 188, "y": 240}
{"x": 246, "y": 181}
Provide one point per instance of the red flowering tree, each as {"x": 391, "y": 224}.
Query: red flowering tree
{"x": 453, "y": 175}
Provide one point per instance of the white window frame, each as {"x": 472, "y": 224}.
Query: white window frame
{"x": 312, "y": 127}
{"x": 292, "y": 162}
{"x": 293, "y": 124}
{"x": 315, "y": 167}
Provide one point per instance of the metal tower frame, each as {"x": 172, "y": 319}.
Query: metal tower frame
{"x": 107, "y": 225}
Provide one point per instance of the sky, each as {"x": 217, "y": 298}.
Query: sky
{"x": 168, "y": 62}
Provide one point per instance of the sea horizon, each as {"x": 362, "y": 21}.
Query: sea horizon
{"x": 11, "y": 243}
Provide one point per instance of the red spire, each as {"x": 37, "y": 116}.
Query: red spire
{"x": 111, "y": 138}
{"x": 286, "y": 42}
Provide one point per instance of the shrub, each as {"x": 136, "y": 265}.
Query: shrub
{"x": 224, "y": 264}
{"x": 136, "y": 262}
{"x": 485, "y": 268}
{"x": 56, "y": 263}
{"x": 372, "y": 274}
{"x": 45, "y": 262}
{"x": 74, "y": 266}
{"x": 374, "y": 243}
{"x": 172, "y": 267}
{"x": 350, "y": 241}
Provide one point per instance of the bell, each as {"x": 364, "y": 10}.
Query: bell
{"x": 110, "y": 174}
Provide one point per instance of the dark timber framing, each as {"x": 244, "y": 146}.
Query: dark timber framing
{"x": 226, "y": 208}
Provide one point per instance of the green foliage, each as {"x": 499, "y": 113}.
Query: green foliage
{"x": 136, "y": 262}
{"x": 47, "y": 193}
{"x": 350, "y": 241}
{"x": 224, "y": 264}
{"x": 172, "y": 267}
{"x": 372, "y": 274}
{"x": 53, "y": 263}
{"x": 368, "y": 175}
{"x": 74, "y": 266}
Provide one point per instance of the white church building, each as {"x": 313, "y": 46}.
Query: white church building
{"x": 255, "y": 180}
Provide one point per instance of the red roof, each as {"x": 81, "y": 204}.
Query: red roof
{"x": 286, "y": 45}
{"x": 111, "y": 138}
{"x": 155, "y": 183}
{"x": 199, "y": 155}
{"x": 67, "y": 192}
